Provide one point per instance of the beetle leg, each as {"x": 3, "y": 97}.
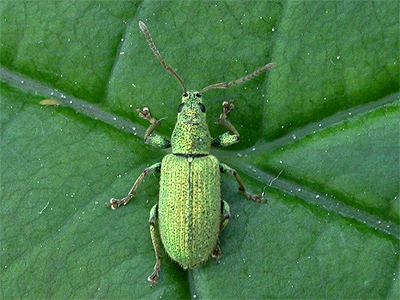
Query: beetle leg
{"x": 230, "y": 171}
{"x": 153, "y": 221}
{"x": 225, "y": 215}
{"x": 227, "y": 138}
{"x": 153, "y": 138}
{"x": 115, "y": 203}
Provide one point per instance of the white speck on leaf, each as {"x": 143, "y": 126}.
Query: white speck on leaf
{"x": 47, "y": 204}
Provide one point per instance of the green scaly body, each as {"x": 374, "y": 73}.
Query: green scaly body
{"x": 189, "y": 208}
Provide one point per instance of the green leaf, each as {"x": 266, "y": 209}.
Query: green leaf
{"x": 319, "y": 136}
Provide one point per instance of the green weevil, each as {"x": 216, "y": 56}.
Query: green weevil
{"x": 190, "y": 214}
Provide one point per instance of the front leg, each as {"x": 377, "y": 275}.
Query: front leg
{"x": 153, "y": 139}
{"x": 227, "y": 138}
{"x": 228, "y": 170}
{"x": 115, "y": 203}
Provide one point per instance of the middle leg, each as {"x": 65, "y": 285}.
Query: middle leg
{"x": 115, "y": 203}
{"x": 230, "y": 171}
{"x": 225, "y": 215}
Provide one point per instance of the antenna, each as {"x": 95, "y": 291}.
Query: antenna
{"x": 157, "y": 54}
{"x": 226, "y": 85}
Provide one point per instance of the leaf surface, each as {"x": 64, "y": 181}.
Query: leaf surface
{"x": 319, "y": 136}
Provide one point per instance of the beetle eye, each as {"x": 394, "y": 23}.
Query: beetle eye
{"x": 198, "y": 95}
{"x": 185, "y": 94}
{"x": 180, "y": 107}
{"x": 202, "y": 107}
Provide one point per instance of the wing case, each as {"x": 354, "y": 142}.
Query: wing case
{"x": 189, "y": 208}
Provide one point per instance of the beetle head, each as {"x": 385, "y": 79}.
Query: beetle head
{"x": 191, "y": 134}
{"x": 192, "y": 111}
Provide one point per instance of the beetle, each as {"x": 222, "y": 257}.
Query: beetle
{"x": 190, "y": 214}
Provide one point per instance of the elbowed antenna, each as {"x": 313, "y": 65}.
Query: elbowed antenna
{"x": 157, "y": 54}
{"x": 226, "y": 85}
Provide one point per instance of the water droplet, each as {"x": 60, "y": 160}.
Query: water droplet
{"x": 280, "y": 161}
{"x": 338, "y": 57}
{"x": 273, "y": 29}
{"x": 122, "y": 53}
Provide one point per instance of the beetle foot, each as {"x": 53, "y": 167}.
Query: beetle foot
{"x": 217, "y": 253}
{"x": 154, "y": 277}
{"x": 228, "y": 107}
{"x": 115, "y": 203}
{"x": 257, "y": 198}
{"x": 144, "y": 113}
{"x": 253, "y": 197}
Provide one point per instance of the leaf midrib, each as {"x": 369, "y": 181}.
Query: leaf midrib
{"x": 308, "y": 195}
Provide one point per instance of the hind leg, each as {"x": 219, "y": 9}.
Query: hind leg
{"x": 225, "y": 215}
{"x": 153, "y": 221}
